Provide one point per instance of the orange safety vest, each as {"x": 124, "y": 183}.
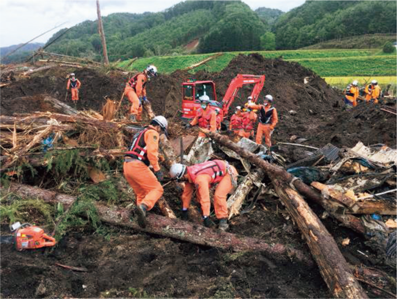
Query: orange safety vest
{"x": 133, "y": 81}
{"x": 204, "y": 118}
{"x": 218, "y": 121}
{"x": 236, "y": 122}
{"x": 216, "y": 169}
{"x": 248, "y": 123}
{"x": 138, "y": 147}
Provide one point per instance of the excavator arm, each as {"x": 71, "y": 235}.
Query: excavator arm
{"x": 238, "y": 83}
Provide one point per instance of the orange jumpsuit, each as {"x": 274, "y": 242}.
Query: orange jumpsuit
{"x": 236, "y": 123}
{"x": 134, "y": 89}
{"x": 351, "y": 95}
{"x": 249, "y": 120}
{"x": 206, "y": 119}
{"x": 218, "y": 122}
{"x": 144, "y": 152}
{"x": 268, "y": 120}
{"x": 74, "y": 85}
{"x": 372, "y": 93}
{"x": 202, "y": 181}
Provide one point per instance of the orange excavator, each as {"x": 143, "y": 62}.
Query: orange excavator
{"x": 193, "y": 90}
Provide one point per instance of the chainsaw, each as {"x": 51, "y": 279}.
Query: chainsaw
{"x": 27, "y": 236}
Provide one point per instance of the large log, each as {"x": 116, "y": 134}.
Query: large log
{"x": 302, "y": 188}
{"x": 171, "y": 228}
{"x": 333, "y": 266}
{"x": 235, "y": 201}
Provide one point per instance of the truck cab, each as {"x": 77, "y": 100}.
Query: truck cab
{"x": 192, "y": 91}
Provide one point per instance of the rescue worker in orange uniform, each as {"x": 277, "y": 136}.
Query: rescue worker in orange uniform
{"x": 249, "y": 120}
{"x": 373, "y": 92}
{"x": 201, "y": 177}
{"x": 218, "y": 119}
{"x": 143, "y": 152}
{"x": 135, "y": 90}
{"x": 236, "y": 122}
{"x": 74, "y": 85}
{"x": 351, "y": 94}
{"x": 268, "y": 120}
{"x": 205, "y": 116}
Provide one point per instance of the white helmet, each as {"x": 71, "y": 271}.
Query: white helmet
{"x": 161, "y": 121}
{"x": 374, "y": 82}
{"x": 238, "y": 107}
{"x": 204, "y": 98}
{"x": 355, "y": 83}
{"x": 177, "y": 171}
{"x": 249, "y": 98}
{"x": 151, "y": 71}
{"x": 72, "y": 74}
{"x": 269, "y": 98}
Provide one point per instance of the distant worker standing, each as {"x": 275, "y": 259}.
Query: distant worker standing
{"x": 268, "y": 120}
{"x": 205, "y": 117}
{"x": 351, "y": 94}
{"x": 249, "y": 120}
{"x": 373, "y": 92}
{"x": 143, "y": 152}
{"x": 135, "y": 90}
{"x": 74, "y": 85}
{"x": 201, "y": 177}
{"x": 236, "y": 121}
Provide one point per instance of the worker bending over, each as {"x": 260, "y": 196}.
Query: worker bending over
{"x": 74, "y": 85}
{"x": 249, "y": 120}
{"x": 201, "y": 177}
{"x": 143, "y": 153}
{"x": 135, "y": 90}
{"x": 351, "y": 94}
{"x": 236, "y": 122}
{"x": 268, "y": 119}
{"x": 205, "y": 116}
{"x": 373, "y": 92}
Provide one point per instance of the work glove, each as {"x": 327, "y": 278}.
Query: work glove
{"x": 188, "y": 126}
{"x": 185, "y": 215}
{"x": 144, "y": 99}
{"x": 159, "y": 175}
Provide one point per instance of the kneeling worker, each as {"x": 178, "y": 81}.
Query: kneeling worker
{"x": 143, "y": 153}
{"x": 202, "y": 177}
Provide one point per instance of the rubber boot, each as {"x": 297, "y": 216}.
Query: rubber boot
{"x": 141, "y": 214}
{"x": 223, "y": 225}
{"x": 132, "y": 117}
{"x": 208, "y": 222}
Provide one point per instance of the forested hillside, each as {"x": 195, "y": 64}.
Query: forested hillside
{"x": 269, "y": 15}
{"x": 319, "y": 21}
{"x": 19, "y": 55}
{"x": 220, "y": 26}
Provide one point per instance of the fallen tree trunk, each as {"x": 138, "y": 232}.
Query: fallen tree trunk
{"x": 333, "y": 266}
{"x": 302, "y": 188}
{"x": 170, "y": 228}
{"x": 235, "y": 201}
{"x": 60, "y": 106}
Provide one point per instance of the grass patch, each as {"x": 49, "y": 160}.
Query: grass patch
{"x": 330, "y": 62}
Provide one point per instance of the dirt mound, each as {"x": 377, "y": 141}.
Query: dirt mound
{"x": 95, "y": 85}
{"x": 365, "y": 123}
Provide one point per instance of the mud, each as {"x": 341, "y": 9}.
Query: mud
{"x": 122, "y": 263}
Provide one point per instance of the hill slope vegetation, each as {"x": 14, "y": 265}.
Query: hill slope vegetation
{"x": 318, "y": 21}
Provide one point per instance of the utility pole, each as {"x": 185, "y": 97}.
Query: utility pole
{"x": 102, "y": 34}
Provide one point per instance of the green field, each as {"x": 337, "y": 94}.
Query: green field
{"x": 326, "y": 63}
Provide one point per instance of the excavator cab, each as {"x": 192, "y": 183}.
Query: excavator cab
{"x": 192, "y": 91}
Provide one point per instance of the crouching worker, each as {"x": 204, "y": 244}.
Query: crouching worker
{"x": 143, "y": 153}
{"x": 201, "y": 177}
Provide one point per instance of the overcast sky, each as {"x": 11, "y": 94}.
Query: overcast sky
{"x": 23, "y": 20}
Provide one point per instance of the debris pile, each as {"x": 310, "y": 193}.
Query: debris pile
{"x": 71, "y": 161}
